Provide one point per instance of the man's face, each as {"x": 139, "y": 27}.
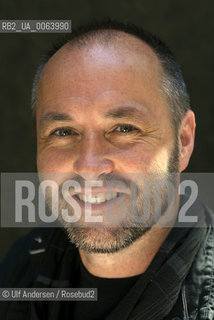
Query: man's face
{"x": 101, "y": 114}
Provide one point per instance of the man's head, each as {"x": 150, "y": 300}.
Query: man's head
{"x": 109, "y": 104}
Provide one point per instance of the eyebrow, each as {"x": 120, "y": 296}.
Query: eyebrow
{"x": 118, "y": 113}
{"x": 127, "y": 112}
{"x": 54, "y": 116}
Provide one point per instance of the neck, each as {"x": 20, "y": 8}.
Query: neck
{"x": 129, "y": 261}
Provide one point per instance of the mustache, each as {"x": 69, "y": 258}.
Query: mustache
{"x": 110, "y": 180}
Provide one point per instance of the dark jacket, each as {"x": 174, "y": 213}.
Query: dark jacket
{"x": 38, "y": 260}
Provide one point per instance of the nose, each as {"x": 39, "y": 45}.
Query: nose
{"x": 92, "y": 158}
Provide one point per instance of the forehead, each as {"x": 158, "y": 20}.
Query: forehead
{"x": 124, "y": 68}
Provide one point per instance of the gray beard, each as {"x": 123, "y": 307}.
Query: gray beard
{"x": 105, "y": 239}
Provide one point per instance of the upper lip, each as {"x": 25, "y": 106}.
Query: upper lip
{"x": 95, "y": 191}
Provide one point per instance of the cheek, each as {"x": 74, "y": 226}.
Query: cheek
{"x": 53, "y": 160}
{"x": 134, "y": 161}
{"x": 161, "y": 161}
{"x": 144, "y": 160}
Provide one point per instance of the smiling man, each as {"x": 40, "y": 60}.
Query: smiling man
{"x": 112, "y": 108}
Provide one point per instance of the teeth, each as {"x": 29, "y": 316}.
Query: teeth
{"x": 99, "y": 198}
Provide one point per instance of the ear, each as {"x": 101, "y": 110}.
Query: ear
{"x": 186, "y": 139}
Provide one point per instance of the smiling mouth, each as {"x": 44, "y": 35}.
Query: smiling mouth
{"x": 98, "y": 198}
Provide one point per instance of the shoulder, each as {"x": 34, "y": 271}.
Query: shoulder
{"x": 199, "y": 285}
{"x": 23, "y": 260}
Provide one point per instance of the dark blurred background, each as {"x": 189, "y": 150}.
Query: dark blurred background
{"x": 186, "y": 26}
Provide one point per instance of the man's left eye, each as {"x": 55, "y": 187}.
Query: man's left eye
{"x": 125, "y": 128}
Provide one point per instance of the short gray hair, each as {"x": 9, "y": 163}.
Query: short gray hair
{"x": 173, "y": 85}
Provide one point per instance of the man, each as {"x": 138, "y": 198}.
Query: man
{"x": 111, "y": 105}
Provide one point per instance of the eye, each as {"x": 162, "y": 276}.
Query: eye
{"x": 63, "y": 132}
{"x": 125, "y": 128}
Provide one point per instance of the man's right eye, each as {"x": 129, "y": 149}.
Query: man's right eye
{"x": 63, "y": 132}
